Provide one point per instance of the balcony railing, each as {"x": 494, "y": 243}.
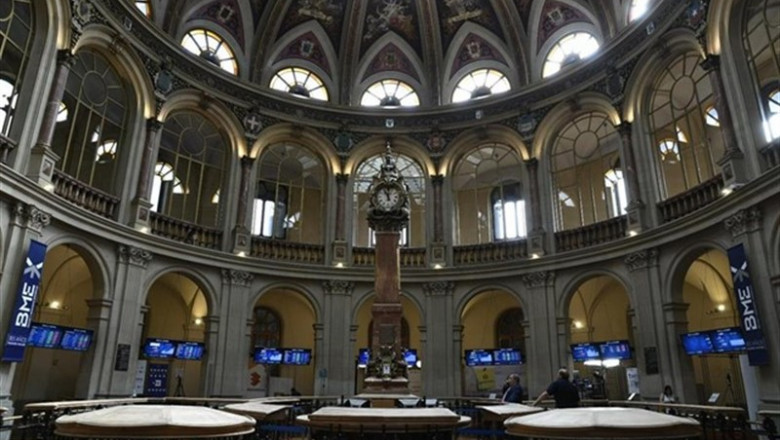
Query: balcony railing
{"x": 85, "y": 196}
{"x": 771, "y": 153}
{"x": 287, "y": 251}
{"x": 185, "y": 232}
{"x": 601, "y": 232}
{"x": 490, "y": 252}
{"x": 410, "y": 257}
{"x": 691, "y": 200}
{"x": 6, "y": 146}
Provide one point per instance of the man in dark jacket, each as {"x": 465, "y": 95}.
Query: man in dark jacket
{"x": 565, "y": 393}
{"x": 514, "y": 393}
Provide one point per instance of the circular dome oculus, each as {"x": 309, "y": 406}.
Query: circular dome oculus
{"x": 299, "y": 82}
{"x": 211, "y": 47}
{"x": 479, "y": 84}
{"x": 390, "y": 93}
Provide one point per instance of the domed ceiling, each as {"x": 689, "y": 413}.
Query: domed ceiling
{"x": 428, "y": 44}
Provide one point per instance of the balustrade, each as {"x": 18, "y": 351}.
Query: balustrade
{"x": 6, "y": 146}
{"x": 287, "y": 251}
{"x": 484, "y": 253}
{"x": 185, "y": 232}
{"x": 410, "y": 257}
{"x": 691, "y": 200}
{"x": 85, "y": 196}
{"x": 590, "y": 235}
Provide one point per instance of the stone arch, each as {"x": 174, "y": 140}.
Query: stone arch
{"x": 467, "y": 140}
{"x": 400, "y": 144}
{"x": 203, "y": 283}
{"x": 418, "y": 83}
{"x": 312, "y": 140}
{"x": 305, "y": 293}
{"x": 464, "y": 299}
{"x": 679, "y": 265}
{"x": 95, "y": 261}
{"x": 567, "y": 291}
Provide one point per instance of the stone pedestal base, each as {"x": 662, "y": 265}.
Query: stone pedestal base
{"x": 378, "y": 385}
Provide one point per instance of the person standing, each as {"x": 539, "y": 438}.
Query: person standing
{"x": 566, "y": 395}
{"x": 667, "y": 396}
{"x": 514, "y": 393}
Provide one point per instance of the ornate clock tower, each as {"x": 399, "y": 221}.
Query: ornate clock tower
{"x": 388, "y": 215}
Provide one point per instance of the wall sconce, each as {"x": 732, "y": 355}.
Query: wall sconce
{"x": 721, "y": 307}
{"x": 577, "y": 324}
{"x": 198, "y": 321}
{"x": 53, "y": 305}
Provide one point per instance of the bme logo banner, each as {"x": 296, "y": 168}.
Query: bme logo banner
{"x": 748, "y": 307}
{"x": 24, "y": 306}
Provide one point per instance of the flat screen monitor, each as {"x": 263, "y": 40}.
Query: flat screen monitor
{"x": 189, "y": 351}
{"x": 479, "y": 357}
{"x": 615, "y": 350}
{"x": 410, "y": 357}
{"x": 296, "y": 356}
{"x": 76, "y": 339}
{"x": 727, "y": 340}
{"x": 159, "y": 348}
{"x": 363, "y": 357}
{"x": 507, "y": 356}
{"x": 697, "y": 343}
{"x": 268, "y": 355}
{"x": 585, "y": 352}
{"x": 44, "y": 336}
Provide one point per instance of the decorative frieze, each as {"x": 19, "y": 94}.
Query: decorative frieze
{"x": 745, "y": 220}
{"x": 135, "y": 256}
{"x": 438, "y": 288}
{"x": 237, "y": 277}
{"x": 641, "y": 259}
{"x": 31, "y": 217}
{"x": 338, "y": 287}
{"x": 538, "y": 279}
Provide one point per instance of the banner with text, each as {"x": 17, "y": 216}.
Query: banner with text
{"x": 748, "y": 307}
{"x": 24, "y": 306}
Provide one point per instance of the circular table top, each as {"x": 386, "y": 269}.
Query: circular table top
{"x": 383, "y": 419}
{"x": 601, "y": 423}
{"x": 154, "y": 421}
{"x": 507, "y": 410}
{"x": 257, "y": 410}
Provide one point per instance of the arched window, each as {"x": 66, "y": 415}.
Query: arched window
{"x": 583, "y": 154}
{"x": 299, "y": 82}
{"x": 145, "y": 7}
{"x": 212, "y": 48}
{"x": 761, "y": 39}
{"x": 569, "y": 49}
{"x": 414, "y": 235}
{"x": 289, "y": 195}
{"x": 479, "y": 84}
{"x": 267, "y": 328}
{"x": 617, "y": 201}
{"x": 92, "y": 121}
{"x": 390, "y": 93}
{"x": 482, "y": 178}
{"x": 164, "y": 183}
{"x": 684, "y": 124}
{"x": 638, "y": 9}
{"x": 16, "y": 21}
{"x": 196, "y": 151}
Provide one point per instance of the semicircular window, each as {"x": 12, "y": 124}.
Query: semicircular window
{"x": 16, "y": 24}
{"x": 299, "y": 82}
{"x": 212, "y": 48}
{"x": 479, "y": 84}
{"x": 390, "y": 93}
{"x": 568, "y": 50}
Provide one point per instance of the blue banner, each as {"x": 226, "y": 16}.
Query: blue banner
{"x": 755, "y": 343}
{"x": 24, "y": 307}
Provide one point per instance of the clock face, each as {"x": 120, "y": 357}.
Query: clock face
{"x": 388, "y": 198}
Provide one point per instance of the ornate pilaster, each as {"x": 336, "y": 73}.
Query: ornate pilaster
{"x": 242, "y": 239}
{"x": 135, "y": 256}
{"x": 30, "y": 217}
{"x": 743, "y": 221}
{"x": 641, "y": 259}
{"x": 438, "y": 230}
{"x": 635, "y": 205}
{"x": 340, "y": 243}
{"x": 538, "y": 279}
{"x": 141, "y": 204}
{"x": 438, "y": 288}
{"x": 237, "y": 277}
{"x": 338, "y": 287}
{"x": 537, "y": 233}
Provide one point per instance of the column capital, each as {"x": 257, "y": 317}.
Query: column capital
{"x": 153, "y": 124}
{"x": 437, "y": 179}
{"x": 342, "y": 177}
{"x": 31, "y": 217}
{"x": 66, "y": 58}
{"x": 247, "y": 161}
{"x": 624, "y": 128}
{"x": 135, "y": 256}
{"x": 438, "y": 288}
{"x": 711, "y": 63}
{"x": 641, "y": 259}
{"x": 531, "y": 163}
{"x": 538, "y": 279}
{"x": 338, "y": 287}
{"x": 744, "y": 220}
{"x": 236, "y": 277}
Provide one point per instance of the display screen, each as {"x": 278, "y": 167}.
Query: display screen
{"x": 76, "y": 339}
{"x": 268, "y": 356}
{"x": 507, "y": 356}
{"x": 189, "y": 351}
{"x": 615, "y": 350}
{"x": 363, "y": 357}
{"x": 410, "y": 357}
{"x": 697, "y": 343}
{"x": 725, "y": 340}
{"x": 585, "y": 352}
{"x": 44, "y": 336}
{"x": 296, "y": 356}
{"x": 159, "y": 348}
{"x": 478, "y": 357}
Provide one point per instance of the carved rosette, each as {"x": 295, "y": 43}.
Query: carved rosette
{"x": 31, "y": 217}
{"x": 135, "y": 256}
{"x": 538, "y": 279}
{"x": 641, "y": 259}
{"x": 338, "y": 287}
{"x": 438, "y": 288}
{"x": 237, "y": 277}
{"x": 745, "y": 220}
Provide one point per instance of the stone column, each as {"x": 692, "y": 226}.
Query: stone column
{"x": 320, "y": 379}
{"x": 635, "y": 206}
{"x": 441, "y": 357}
{"x": 340, "y": 243}
{"x": 681, "y": 378}
{"x": 242, "y": 238}
{"x": 536, "y": 233}
{"x": 336, "y": 356}
{"x": 732, "y": 163}
{"x": 456, "y": 363}
{"x": 438, "y": 254}
{"x": 27, "y": 223}
{"x": 99, "y": 355}
{"x": 141, "y": 204}
{"x": 544, "y": 357}
{"x": 746, "y": 227}
{"x": 209, "y": 363}
{"x": 42, "y": 158}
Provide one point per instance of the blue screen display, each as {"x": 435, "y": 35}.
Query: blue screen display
{"x": 268, "y": 356}
{"x": 725, "y": 340}
{"x": 697, "y": 343}
{"x": 76, "y": 339}
{"x": 363, "y": 357}
{"x": 507, "y": 356}
{"x": 585, "y": 352}
{"x": 615, "y": 350}
{"x": 44, "y": 336}
{"x": 410, "y": 356}
{"x": 478, "y": 357}
{"x": 189, "y": 351}
{"x": 159, "y": 348}
{"x": 296, "y": 356}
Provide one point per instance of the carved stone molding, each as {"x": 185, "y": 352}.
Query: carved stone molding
{"x": 236, "y": 277}
{"x": 438, "y": 288}
{"x": 641, "y": 259}
{"x": 745, "y": 220}
{"x": 538, "y": 279}
{"x": 338, "y": 287}
{"x": 31, "y": 217}
{"x": 135, "y": 256}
